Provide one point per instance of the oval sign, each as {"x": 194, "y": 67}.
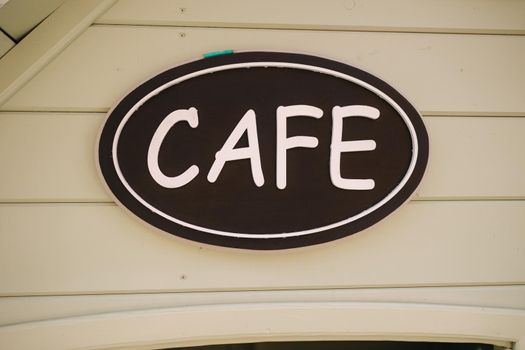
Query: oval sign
{"x": 263, "y": 150}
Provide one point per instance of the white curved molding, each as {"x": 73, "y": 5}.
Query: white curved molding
{"x": 231, "y": 323}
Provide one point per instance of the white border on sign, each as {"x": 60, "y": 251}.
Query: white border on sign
{"x": 311, "y": 68}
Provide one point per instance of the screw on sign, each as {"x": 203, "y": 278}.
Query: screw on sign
{"x": 263, "y": 150}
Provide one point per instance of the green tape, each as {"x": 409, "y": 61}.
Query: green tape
{"x": 217, "y": 53}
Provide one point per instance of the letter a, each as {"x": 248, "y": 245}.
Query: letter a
{"x": 228, "y": 152}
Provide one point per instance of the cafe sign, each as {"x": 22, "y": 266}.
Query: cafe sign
{"x": 263, "y": 150}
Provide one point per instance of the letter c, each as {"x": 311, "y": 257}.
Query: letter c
{"x": 188, "y": 115}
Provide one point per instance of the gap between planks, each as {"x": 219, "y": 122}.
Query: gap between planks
{"x": 112, "y": 203}
{"x": 357, "y": 29}
{"x": 263, "y": 290}
{"x": 425, "y": 114}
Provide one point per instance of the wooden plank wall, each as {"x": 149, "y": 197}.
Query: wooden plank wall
{"x": 460, "y": 63}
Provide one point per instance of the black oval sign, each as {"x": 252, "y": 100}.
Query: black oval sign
{"x": 263, "y": 150}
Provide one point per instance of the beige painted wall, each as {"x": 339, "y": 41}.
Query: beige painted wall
{"x": 77, "y": 271}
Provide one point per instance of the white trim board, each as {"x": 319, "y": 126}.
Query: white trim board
{"x": 16, "y": 310}
{"x": 29, "y": 56}
{"x": 99, "y": 248}
{"x": 255, "y": 322}
{"x": 19, "y": 17}
{"x": 447, "y": 16}
{"x": 440, "y": 74}
{"x": 471, "y": 158}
